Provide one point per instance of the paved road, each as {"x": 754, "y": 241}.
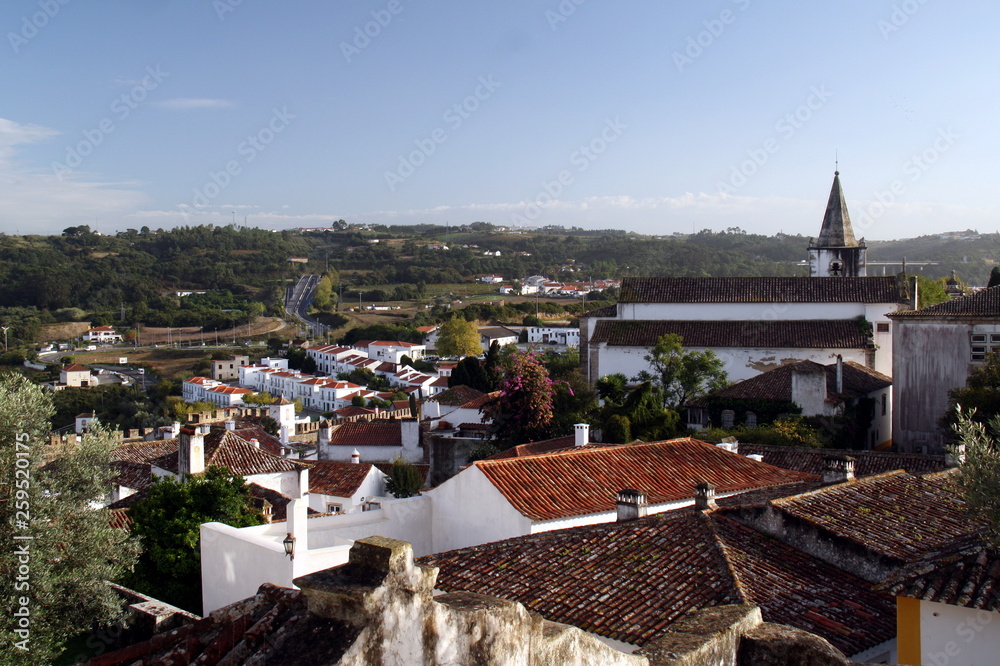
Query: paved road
{"x": 297, "y": 301}
{"x": 145, "y": 380}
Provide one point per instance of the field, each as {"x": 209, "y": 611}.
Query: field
{"x": 167, "y": 363}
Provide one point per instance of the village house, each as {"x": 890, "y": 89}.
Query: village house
{"x": 502, "y": 336}
{"x": 74, "y": 375}
{"x": 228, "y": 370}
{"x": 102, "y": 335}
{"x": 373, "y": 441}
{"x": 569, "y": 337}
{"x": 937, "y": 348}
{"x": 836, "y": 389}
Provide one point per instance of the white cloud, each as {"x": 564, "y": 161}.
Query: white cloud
{"x": 188, "y": 103}
{"x": 37, "y": 202}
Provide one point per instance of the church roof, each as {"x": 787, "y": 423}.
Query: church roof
{"x": 985, "y": 303}
{"x": 836, "y": 230}
{"x": 882, "y": 289}
{"x": 798, "y": 334}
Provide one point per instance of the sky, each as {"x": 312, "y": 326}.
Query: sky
{"x": 653, "y": 116}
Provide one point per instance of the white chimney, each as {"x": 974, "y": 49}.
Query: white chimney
{"x": 704, "y": 497}
{"x": 840, "y": 373}
{"x": 175, "y": 429}
{"x": 255, "y": 442}
{"x": 356, "y": 457}
{"x": 730, "y": 444}
{"x": 191, "y": 452}
{"x": 582, "y": 433}
{"x": 230, "y": 425}
{"x": 838, "y": 469}
{"x": 632, "y": 504}
{"x": 759, "y": 457}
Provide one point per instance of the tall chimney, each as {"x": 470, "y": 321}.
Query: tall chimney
{"x": 632, "y": 504}
{"x": 356, "y": 457}
{"x": 230, "y": 424}
{"x": 191, "y": 452}
{"x": 582, "y": 434}
{"x": 840, "y": 373}
{"x": 838, "y": 469}
{"x": 704, "y": 497}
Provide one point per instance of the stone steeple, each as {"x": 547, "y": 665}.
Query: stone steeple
{"x": 836, "y": 253}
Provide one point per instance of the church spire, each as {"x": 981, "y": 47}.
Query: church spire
{"x": 836, "y": 230}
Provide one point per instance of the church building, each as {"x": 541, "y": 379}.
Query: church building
{"x": 757, "y": 324}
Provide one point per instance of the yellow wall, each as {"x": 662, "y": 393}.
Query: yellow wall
{"x": 908, "y": 630}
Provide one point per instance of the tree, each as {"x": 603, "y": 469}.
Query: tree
{"x": 980, "y": 397}
{"x": 682, "y": 375}
{"x": 994, "y": 277}
{"x": 58, "y": 577}
{"x": 459, "y": 337}
{"x": 979, "y": 473}
{"x": 323, "y": 295}
{"x": 523, "y": 410}
{"x": 930, "y": 292}
{"x": 404, "y": 479}
{"x": 167, "y": 522}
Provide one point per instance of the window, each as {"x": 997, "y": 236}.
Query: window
{"x": 884, "y": 401}
{"x": 727, "y": 418}
{"x": 882, "y": 327}
{"x": 334, "y": 508}
{"x": 983, "y": 344}
{"x": 751, "y": 420}
{"x": 836, "y": 268}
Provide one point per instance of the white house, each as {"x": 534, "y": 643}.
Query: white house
{"x": 375, "y": 441}
{"x": 344, "y": 487}
{"x": 819, "y": 390}
{"x": 935, "y": 350}
{"x": 392, "y": 351}
{"x": 102, "y": 335}
{"x": 502, "y": 336}
{"x": 554, "y": 335}
{"x": 531, "y": 494}
{"x": 75, "y": 375}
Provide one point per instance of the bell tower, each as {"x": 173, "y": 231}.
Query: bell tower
{"x": 836, "y": 253}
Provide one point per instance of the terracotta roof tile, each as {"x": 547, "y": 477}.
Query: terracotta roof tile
{"x": 776, "y": 384}
{"x": 132, "y": 475}
{"x": 76, "y": 367}
{"x": 368, "y": 433}
{"x": 896, "y": 514}
{"x": 573, "y": 483}
{"x": 965, "y": 573}
{"x": 867, "y": 463}
{"x": 838, "y": 333}
{"x": 227, "y": 449}
{"x": 457, "y": 395}
{"x": 630, "y": 581}
{"x": 144, "y": 452}
{"x": 761, "y": 290}
{"x": 481, "y": 401}
{"x": 340, "y": 479}
{"x": 985, "y": 303}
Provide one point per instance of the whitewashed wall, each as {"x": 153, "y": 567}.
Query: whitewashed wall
{"x": 958, "y": 636}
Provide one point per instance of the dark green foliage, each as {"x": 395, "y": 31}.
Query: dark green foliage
{"x": 994, "y": 277}
{"x": 767, "y": 411}
{"x": 73, "y": 549}
{"x": 680, "y": 375}
{"x": 404, "y": 480}
{"x": 114, "y": 405}
{"x": 469, "y": 372}
{"x": 980, "y": 393}
{"x": 167, "y": 522}
{"x": 402, "y": 332}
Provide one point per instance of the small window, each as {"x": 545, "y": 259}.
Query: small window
{"x": 978, "y": 338}
{"x": 995, "y": 338}
{"x": 728, "y": 416}
{"x": 882, "y": 327}
{"x": 885, "y": 400}
{"x": 334, "y": 508}
{"x": 751, "y": 420}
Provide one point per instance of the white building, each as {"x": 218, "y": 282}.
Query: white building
{"x": 376, "y": 441}
{"x": 102, "y": 335}
{"x": 935, "y": 350}
{"x": 392, "y": 351}
{"x": 554, "y": 335}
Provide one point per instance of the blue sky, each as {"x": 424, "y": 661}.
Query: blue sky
{"x": 652, "y": 116}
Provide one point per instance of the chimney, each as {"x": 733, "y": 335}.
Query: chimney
{"x": 704, "y": 497}
{"x": 255, "y": 442}
{"x": 203, "y": 429}
{"x": 838, "y": 469}
{"x": 230, "y": 425}
{"x": 191, "y": 452}
{"x": 323, "y": 436}
{"x": 840, "y": 373}
{"x": 582, "y": 432}
{"x": 356, "y": 457}
{"x": 632, "y": 504}
{"x": 303, "y": 482}
{"x": 174, "y": 430}
{"x": 759, "y": 457}
{"x": 730, "y": 444}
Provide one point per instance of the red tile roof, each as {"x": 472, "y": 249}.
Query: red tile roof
{"x": 368, "y": 433}
{"x": 985, "y": 303}
{"x": 352, "y": 411}
{"x": 897, "y": 515}
{"x": 457, "y": 395}
{"x": 144, "y": 452}
{"x": 340, "y": 479}
{"x": 573, "y": 483}
{"x": 964, "y": 573}
{"x": 867, "y": 463}
{"x": 630, "y": 581}
{"x": 858, "y": 381}
{"x": 762, "y": 290}
{"x": 227, "y": 449}
{"x": 815, "y": 334}
{"x": 76, "y": 367}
